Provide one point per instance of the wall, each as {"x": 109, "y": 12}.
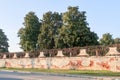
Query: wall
{"x": 79, "y": 63}
{"x": 111, "y": 63}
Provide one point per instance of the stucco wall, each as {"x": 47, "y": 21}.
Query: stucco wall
{"x": 79, "y": 63}
{"x": 109, "y": 62}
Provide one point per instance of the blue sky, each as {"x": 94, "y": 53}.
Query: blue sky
{"x": 102, "y": 15}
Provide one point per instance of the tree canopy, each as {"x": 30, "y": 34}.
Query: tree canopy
{"x": 3, "y": 42}
{"x": 75, "y": 30}
{"x": 29, "y": 34}
{"x": 117, "y": 40}
{"x": 106, "y": 39}
{"x": 56, "y": 30}
{"x": 51, "y": 22}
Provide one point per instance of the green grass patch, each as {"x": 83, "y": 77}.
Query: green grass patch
{"x": 75, "y": 72}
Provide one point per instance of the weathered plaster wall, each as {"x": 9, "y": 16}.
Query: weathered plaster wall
{"x": 108, "y": 62}
{"x": 79, "y": 63}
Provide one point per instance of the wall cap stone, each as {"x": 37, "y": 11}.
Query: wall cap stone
{"x": 27, "y": 55}
{"x": 41, "y": 54}
{"x": 83, "y": 53}
{"x": 112, "y": 52}
{"x": 59, "y": 54}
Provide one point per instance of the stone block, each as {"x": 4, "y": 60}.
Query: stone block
{"x": 41, "y": 54}
{"x": 60, "y": 54}
{"x": 15, "y": 56}
{"x": 83, "y": 53}
{"x": 4, "y": 56}
{"x": 27, "y": 55}
{"x": 113, "y": 52}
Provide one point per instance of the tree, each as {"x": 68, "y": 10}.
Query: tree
{"x": 3, "y": 42}
{"x": 117, "y": 40}
{"x": 106, "y": 39}
{"x": 75, "y": 30}
{"x": 29, "y": 34}
{"x": 51, "y": 23}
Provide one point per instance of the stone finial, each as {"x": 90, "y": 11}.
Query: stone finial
{"x": 4, "y": 56}
{"x": 60, "y": 54}
{"x": 112, "y": 52}
{"x": 41, "y": 54}
{"x": 83, "y": 53}
{"x": 27, "y": 55}
{"x": 15, "y": 56}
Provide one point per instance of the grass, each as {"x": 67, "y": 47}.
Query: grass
{"x": 75, "y": 72}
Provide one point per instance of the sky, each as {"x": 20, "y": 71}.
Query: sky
{"x": 103, "y": 16}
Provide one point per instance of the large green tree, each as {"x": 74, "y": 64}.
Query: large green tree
{"x": 51, "y": 22}
{"x": 29, "y": 34}
{"x": 3, "y": 42}
{"x": 75, "y": 30}
{"x": 106, "y": 39}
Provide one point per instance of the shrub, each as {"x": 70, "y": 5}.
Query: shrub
{"x": 53, "y": 52}
{"x": 34, "y": 54}
{"x": 20, "y": 54}
{"x": 1, "y": 55}
{"x": 102, "y": 50}
{"x": 75, "y": 51}
{"x": 66, "y": 52}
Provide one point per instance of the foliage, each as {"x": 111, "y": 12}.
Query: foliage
{"x": 50, "y": 53}
{"x": 74, "y": 31}
{"x": 101, "y": 50}
{"x": 34, "y": 54}
{"x": 106, "y": 39}
{"x": 1, "y": 55}
{"x": 3, "y": 42}
{"x": 20, "y": 54}
{"x": 71, "y": 52}
{"x": 29, "y": 34}
{"x": 66, "y": 52}
{"x": 116, "y": 40}
{"x": 51, "y": 22}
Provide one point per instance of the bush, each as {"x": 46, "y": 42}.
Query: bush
{"x": 66, "y": 52}
{"x": 20, "y": 54}
{"x": 46, "y": 53}
{"x": 34, "y": 54}
{"x": 1, "y": 55}
{"x": 102, "y": 50}
{"x": 53, "y": 52}
{"x": 75, "y": 51}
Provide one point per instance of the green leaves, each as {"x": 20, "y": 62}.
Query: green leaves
{"x": 49, "y": 30}
{"x": 3, "y": 42}
{"x": 29, "y": 34}
{"x": 106, "y": 39}
{"x": 64, "y": 30}
{"x": 74, "y": 31}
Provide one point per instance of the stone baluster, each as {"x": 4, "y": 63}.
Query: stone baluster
{"x": 112, "y": 52}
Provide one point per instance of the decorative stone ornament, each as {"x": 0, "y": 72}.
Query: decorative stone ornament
{"x": 113, "y": 52}
{"x": 4, "y": 56}
{"x": 83, "y": 53}
{"x": 27, "y": 55}
{"x": 60, "y": 54}
{"x": 41, "y": 54}
{"x": 15, "y": 56}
